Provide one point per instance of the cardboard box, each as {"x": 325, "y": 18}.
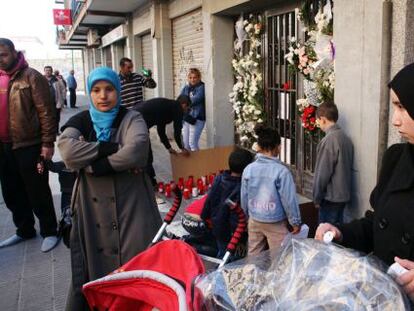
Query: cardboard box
{"x": 200, "y": 163}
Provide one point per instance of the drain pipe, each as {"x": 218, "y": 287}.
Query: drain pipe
{"x": 384, "y": 110}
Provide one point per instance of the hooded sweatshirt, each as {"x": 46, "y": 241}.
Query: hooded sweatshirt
{"x": 5, "y": 77}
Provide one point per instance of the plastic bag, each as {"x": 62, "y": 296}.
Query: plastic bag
{"x": 303, "y": 275}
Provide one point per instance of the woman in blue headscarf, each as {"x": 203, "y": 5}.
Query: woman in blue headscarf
{"x": 115, "y": 214}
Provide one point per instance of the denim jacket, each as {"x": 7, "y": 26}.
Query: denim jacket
{"x": 268, "y": 192}
{"x": 197, "y": 96}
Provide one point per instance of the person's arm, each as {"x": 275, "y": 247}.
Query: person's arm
{"x": 163, "y": 136}
{"x": 45, "y": 111}
{"x": 358, "y": 234}
{"x": 78, "y": 153}
{"x": 178, "y": 126}
{"x": 286, "y": 188}
{"x": 149, "y": 83}
{"x": 244, "y": 195}
{"x": 132, "y": 154}
{"x": 328, "y": 157}
{"x": 198, "y": 97}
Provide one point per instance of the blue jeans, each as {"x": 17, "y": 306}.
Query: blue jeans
{"x": 191, "y": 134}
{"x": 331, "y": 212}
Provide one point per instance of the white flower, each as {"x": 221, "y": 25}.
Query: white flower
{"x": 245, "y": 22}
{"x": 257, "y": 112}
{"x": 244, "y": 138}
{"x": 293, "y": 39}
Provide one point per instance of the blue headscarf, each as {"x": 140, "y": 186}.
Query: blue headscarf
{"x": 102, "y": 121}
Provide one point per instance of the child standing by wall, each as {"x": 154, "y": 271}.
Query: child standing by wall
{"x": 333, "y": 169}
{"x": 268, "y": 195}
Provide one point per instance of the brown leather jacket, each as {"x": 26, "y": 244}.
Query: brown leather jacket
{"x": 32, "y": 118}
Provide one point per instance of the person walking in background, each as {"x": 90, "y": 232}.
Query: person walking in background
{"x": 116, "y": 215}
{"x": 268, "y": 195}
{"x": 159, "y": 112}
{"x": 27, "y": 135}
{"x": 333, "y": 168}
{"x": 195, "y": 119}
{"x": 55, "y": 92}
{"x": 132, "y": 84}
{"x": 72, "y": 86}
{"x": 61, "y": 90}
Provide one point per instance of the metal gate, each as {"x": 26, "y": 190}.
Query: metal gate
{"x": 147, "y": 61}
{"x": 187, "y": 43}
{"x": 282, "y": 89}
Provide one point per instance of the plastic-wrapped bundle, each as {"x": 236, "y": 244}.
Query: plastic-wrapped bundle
{"x": 303, "y": 275}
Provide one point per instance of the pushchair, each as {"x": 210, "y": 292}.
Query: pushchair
{"x": 162, "y": 276}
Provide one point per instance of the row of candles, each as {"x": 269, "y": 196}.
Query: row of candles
{"x": 189, "y": 187}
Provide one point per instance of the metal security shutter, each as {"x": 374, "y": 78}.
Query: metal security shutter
{"x": 147, "y": 61}
{"x": 187, "y": 42}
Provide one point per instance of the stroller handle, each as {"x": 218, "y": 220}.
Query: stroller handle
{"x": 170, "y": 215}
{"x": 175, "y": 207}
{"x": 241, "y": 225}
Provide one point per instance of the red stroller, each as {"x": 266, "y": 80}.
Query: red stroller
{"x": 153, "y": 280}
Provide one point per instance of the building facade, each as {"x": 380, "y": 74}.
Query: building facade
{"x": 373, "y": 40}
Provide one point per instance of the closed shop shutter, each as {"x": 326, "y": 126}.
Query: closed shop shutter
{"x": 147, "y": 61}
{"x": 187, "y": 42}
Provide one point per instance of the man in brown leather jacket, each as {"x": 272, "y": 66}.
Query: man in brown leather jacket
{"x": 27, "y": 135}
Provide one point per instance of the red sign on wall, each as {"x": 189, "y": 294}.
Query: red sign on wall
{"x": 62, "y": 17}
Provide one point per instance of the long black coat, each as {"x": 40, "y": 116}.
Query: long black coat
{"x": 389, "y": 230}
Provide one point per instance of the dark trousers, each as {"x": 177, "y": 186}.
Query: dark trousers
{"x": 72, "y": 98}
{"x": 150, "y": 168}
{"x": 331, "y": 212}
{"x": 25, "y": 191}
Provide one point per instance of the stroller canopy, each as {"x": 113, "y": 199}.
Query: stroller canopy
{"x": 160, "y": 277}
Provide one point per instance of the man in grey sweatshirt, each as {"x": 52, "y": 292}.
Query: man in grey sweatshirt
{"x": 333, "y": 170}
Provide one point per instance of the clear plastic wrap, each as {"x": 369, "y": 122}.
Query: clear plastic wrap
{"x": 303, "y": 275}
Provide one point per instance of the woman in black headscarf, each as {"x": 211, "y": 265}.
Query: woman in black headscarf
{"x": 388, "y": 231}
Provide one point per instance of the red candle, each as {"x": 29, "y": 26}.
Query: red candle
{"x": 168, "y": 190}
{"x": 181, "y": 183}
{"x": 186, "y": 193}
{"x": 211, "y": 178}
{"x": 161, "y": 187}
{"x": 200, "y": 189}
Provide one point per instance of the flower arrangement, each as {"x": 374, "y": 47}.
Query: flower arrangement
{"x": 247, "y": 94}
{"x": 314, "y": 59}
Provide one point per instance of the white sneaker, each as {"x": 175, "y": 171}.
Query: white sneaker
{"x": 14, "y": 239}
{"x": 49, "y": 243}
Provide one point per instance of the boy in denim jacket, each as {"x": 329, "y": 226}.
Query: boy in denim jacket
{"x": 268, "y": 195}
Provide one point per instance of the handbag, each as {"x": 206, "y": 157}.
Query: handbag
{"x": 65, "y": 223}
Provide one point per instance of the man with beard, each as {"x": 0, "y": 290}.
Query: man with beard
{"x": 27, "y": 135}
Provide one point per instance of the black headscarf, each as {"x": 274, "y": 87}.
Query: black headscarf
{"x": 403, "y": 86}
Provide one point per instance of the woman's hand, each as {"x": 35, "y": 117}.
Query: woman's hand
{"x": 406, "y": 280}
{"x": 325, "y": 227}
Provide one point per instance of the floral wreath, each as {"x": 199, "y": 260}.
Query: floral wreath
{"x": 314, "y": 59}
{"x": 247, "y": 94}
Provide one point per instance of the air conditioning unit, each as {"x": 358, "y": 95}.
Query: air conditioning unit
{"x": 93, "y": 37}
